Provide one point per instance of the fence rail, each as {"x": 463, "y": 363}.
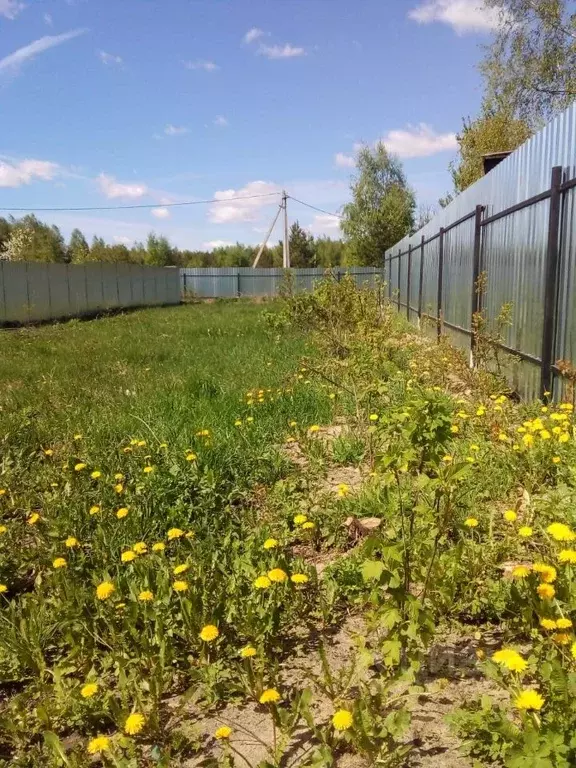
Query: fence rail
{"x": 34, "y": 292}
{"x": 516, "y": 225}
{"x": 232, "y": 282}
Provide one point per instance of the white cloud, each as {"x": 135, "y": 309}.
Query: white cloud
{"x": 286, "y": 51}
{"x": 204, "y": 64}
{"x": 344, "y": 161}
{"x": 221, "y": 121}
{"x": 16, "y": 174}
{"x": 325, "y": 224}
{"x": 242, "y": 210}
{"x": 30, "y": 51}
{"x": 109, "y": 58}
{"x": 48, "y": 19}
{"x": 113, "y": 189}
{"x": 419, "y": 141}
{"x": 462, "y": 15}
{"x": 122, "y": 240}
{"x": 252, "y": 34}
{"x": 10, "y": 8}
{"x": 175, "y": 130}
{"x": 160, "y": 213}
{"x": 211, "y": 244}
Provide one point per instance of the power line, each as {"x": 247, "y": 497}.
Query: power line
{"x": 314, "y": 208}
{"x": 131, "y": 207}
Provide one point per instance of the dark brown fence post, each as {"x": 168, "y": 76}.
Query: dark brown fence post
{"x": 440, "y": 278}
{"x": 551, "y": 282}
{"x": 420, "y": 286}
{"x": 476, "y": 268}
{"x": 390, "y": 278}
{"x": 408, "y": 282}
{"x": 399, "y": 274}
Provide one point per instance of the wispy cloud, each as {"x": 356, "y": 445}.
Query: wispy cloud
{"x": 175, "y": 130}
{"x": 286, "y": 51}
{"x": 221, "y": 121}
{"x": 114, "y": 189}
{"x": 18, "y": 173}
{"x": 203, "y": 64}
{"x": 344, "y": 161}
{"x": 211, "y": 244}
{"x": 160, "y": 213}
{"x": 253, "y": 34}
{"x": 10, "y": 8}
{"x": 14, "y": 60}
{"x": 325, "y": 224}
{"x": 462, "y": 15}
{"x": 241, "y": 210}
{"x": 419, "y": 141}
{"x": 110, "y": 58}
{"x": 48, "y": 19}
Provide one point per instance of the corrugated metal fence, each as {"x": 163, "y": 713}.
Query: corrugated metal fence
{"x": 229, "y": 282}
{"x": 32, "y": 291}
{"x": 517, "y": 225}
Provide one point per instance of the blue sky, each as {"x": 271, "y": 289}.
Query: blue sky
{"x": 119, "y": 102}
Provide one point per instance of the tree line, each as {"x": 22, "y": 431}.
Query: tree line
{"x": 29, "y": 239}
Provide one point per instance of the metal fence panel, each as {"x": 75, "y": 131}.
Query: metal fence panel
{"x": 77, "y": 290}
{"x": 15, "y": 292}
{"x": 59, "y": 290}
{"x": 38, "y": 291}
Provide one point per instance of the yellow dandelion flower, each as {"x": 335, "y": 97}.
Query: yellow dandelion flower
{"x": 158, "y": 547}
{"x": 248, "y": 652}
{"x": 525, "y": 531}
{"x": 528, "y": 440}
{"x": 510, "y": 516}
{"x": 209, "y": 633}
{"x": 134, "y": 723}
{"x": 343, "y": 490}
{"x": 89, "y": 690}
{"x": 269, "y": 696}
{"x": 224, "y": 732}
{"x": 342, "y": 720}
{"x": 60, "y": 562}
{"x": 146, "y": 596}
{"x": 573, "y": 650}
{"x": 567, "y": 407}
{"x": 373, "y": 417}
{"x": 471, "y": 522}
{"x": 250, "y": 419}
{"x": 128, "y": 556}
{"x": 547, "y": 572}
{"x": 3, "y": 589}
{"x": 447, "y": 459}
{"x": 564, "y": 623}
{"x": 567, "y": 556}
{"x": 94, "y": 475}
{"x": 33, "y": 519}
{"x": 548, "y": 624}
{"x": 122, "y": 512}
{"x": 141, "y": 443}
{"x": 180, "y": 586}
{"x": 98, "y": 744}
{"x": 277, "y": 575}
{"x": 80, "y": 466}
{"x": 545, "y": 434}
{"x": 71, "y": 541}
{"x": 119, "y": 477}
{"x": 104, "y": 590}
{"x": 118, "y": 487}
{"x": 474, "y": 448}
{"x": 520, "y": 571}
{"x": 178, "y": 569}
{"x": 560, "y": 532}
{"x": 262, "y": 582}
{"x": 503, "y": 437}
{"x": 481, "y": 411}
{"x": 314, "y": 428}
{"x": 148, "y": 470}
{"x": 270, "y": 544}
{"x": 556, "y": 459}
{"x": 48, "y": 452}
{"x": 546, "y": 591}
{"x": 564, "y": 437}
{"x": 3, "y": 529}
{"x": 140, "y": 547}
{"x": 77, "y": 437}
{"x": 94, "y": 509}
{"x": 300, "y": 519}
{"x": 561, "y": 638}
{"x": 510, "y": 659}
{"x": 174, "y": 533}
{"x": 308, "y": 525}
{"x": 299, "y": 578}
{"x": 529, "y": 699}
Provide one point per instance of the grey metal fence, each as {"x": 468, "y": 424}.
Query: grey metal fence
{"x": 518, "y": 226}
{"x": 231, "y": 282}
{"x": 32, "y": 291}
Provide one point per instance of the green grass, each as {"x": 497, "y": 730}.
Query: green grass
{"x": 157, "y": 373}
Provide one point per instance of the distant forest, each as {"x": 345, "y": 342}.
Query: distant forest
{"x": 28, "y": 239}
